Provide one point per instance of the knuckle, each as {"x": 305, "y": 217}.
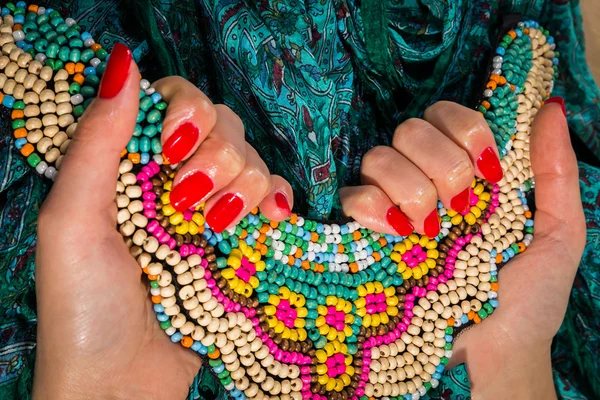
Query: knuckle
{"x": 476, "y": 127}
{"x": 376, "y": 159}
{"x": 261, "y": 182}
{"x": 411, "y": 128}
{"x": 459, "y": 168}
{"x": 426, "y": 196}
{"x": 223, "y": 111}
{"x": 228, "y": 156}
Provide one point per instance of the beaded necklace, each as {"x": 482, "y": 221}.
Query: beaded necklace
{"x": 297, "y": 309}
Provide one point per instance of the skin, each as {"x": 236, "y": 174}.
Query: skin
{"x": 97, "y": 333}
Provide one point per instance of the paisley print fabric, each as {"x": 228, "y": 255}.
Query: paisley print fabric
{"x": 317, "y": 83}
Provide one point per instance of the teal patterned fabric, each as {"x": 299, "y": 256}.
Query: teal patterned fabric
{"x": 317, "y": 83}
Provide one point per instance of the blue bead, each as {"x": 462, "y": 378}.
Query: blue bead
{"x": 145, "y": 158}
{"x": 319, "y": 228}
{"x": 156, "y": 98}
{"x": 176, "y": 337}
{"x": 235, "y": 392}
{"x": 19, "y": 19}
{"x": 493, "y": 273}
{"x": 464, "y": 319}
{"x": 8, "y": 101}
{"x": 159, "y": 308}
{"x": 500, "y": 51}
{"x": 407, "y": 397}
{"x": 27, "y": 46}
{"x": 436, "y": 375}
{"x": 219, "y": 368}
{"x": 511, "y": 252}
{"x": 212, "y": 241}
{"x": 288, "y": 228}
{"x": 344, "y": 229}
{"x": 369, "y": 250}
{"x": 21, "y": 44}
{"x": 207, "y": 232}
{"x": 203, "y": 350}
{"x": 49, "y": 11}
{"x": 550, "y": 39}
{"x": 448, "y": 338}
{"x": 19, "y": 143}
{"x": 196, "y": 346}
{"x": 219, "y": 236}
{"x": 440, "y": 368}
{"x": 493, "y": 253}
{"x": 250, "y": 241}
{"x": 21, "y": 4}
{"x": 89, "y": 71}
{"x": 5, "y": 11}
{"x": 519, "y": 33}
{"x": 493, "y": 303}
{"x": 300, "y": 231}
{"x": 162, "y": 317}
{"x": 85, "y": 36}
{"x": 555, "y": 61}
{"x": 529, "y": 223}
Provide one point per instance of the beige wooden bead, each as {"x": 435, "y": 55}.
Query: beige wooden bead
{"x": 46, "y": 73}
{"x": 51, "y": 131}
{"x": 61, "y": 86}
{"x": 127, "y": 229}
{"x": 8, "y": 48}
{"x": 61, "y": 75}
{"x": 48, "y": 107}
{"x": 35, "y": 67}
{"x": 24, "y": 59}
{"x": 15, "y": 53}
{"x": 47, "y": 96}
{"x": 44, "y": 145}
{"x": 33, "y": 124}
{"x": 135, "y": 206}
{"x": 31, "y": 111}
{"x": 64, "y": 108}
{"x": 39, "y": 85}
{"x": 34, "y": 136}
{"x": 139, "y": 220}
{"x": 49, "y": 120}
{"x": 30, "y": 97}
{"x": 52, "y": 155}
{"x": 63, "y": 97}
{"x": 11, "y": 69}
{"x": 9, "y": 86}
{"x": 3, "y": 79}
{"x": 133, "y": 192}
{"x": 19, "y": 92}
{"x": 65, "y": 120}
{"x": 71, "y": 129}
{"x": 20, "y": 75}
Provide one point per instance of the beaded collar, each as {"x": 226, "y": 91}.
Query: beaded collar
{"x": 296, "y": 309}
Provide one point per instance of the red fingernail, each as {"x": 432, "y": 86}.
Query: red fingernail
{"x": 282, "y": 203}
{"x": 489, "y": 165}
{"x": 225, "y": 210}
{"x": 399, "y": 221}
{"x": 558, "y": 100}
{"x": 116, "y": 73}
{"x": 460, "y": 202}
{"x": 190, "y": 190}
{"x": 432, "y": 224}
{"x": 180, "y": 143}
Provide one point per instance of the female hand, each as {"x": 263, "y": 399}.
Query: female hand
{"x": 97, "y": 333}
{"x": 507, "y": 356}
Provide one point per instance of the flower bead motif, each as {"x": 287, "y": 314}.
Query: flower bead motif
{"x": 296, "y": 308}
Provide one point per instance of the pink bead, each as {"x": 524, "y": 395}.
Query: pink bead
{"x": 402, "y": 327}
{"x": 155, "y": 167}
{"x": 450, "y": 260}
{"x": 142, "y": 177}
{"x": 152, "y": 225}
{"x": 410, "y": 297}
{"x": 443, "y": 279}
{"x": 305, "y": 370}
{"x": 164, "y": 238}
{"x": 431, "y": 287}
{"x": 409, "y": 313}
{"x": 448, "y": 274}
{"x": 306, "y": 378}
{"x": 146, "y": 187}
{"x": 406, "y": 321}
{"x": 360, "y": 392}
{"x": 150, "y": 214}
{"x": 149, "y": 205}
{"x": 184, "y": 250}
{"x": 409, "y": 305}
{"x": 172, "y": 244}
{"x": 207, "y": 274}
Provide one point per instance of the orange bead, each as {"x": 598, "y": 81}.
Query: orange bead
{"x": 264, "y": 250}
{"x": 244, "y": 234}
{"x": 264, "y": 228}
{"x": 305, "y": 264}
{"x": 340, "y": 248}
{"x": 499, "y": 258}
{"x": 156, "y": 299}
{"x": 354, "y": 267}
{"x": 20, "y": 133}
{"x": 298, "y": 253}
{"x": 356, "y": 235}
{"x": 512, "y": 34}
{"x": 1, "y": 97}
{"x": 513, "y": 88}
{"x": 17, "y": 114}
{"x": 33, "y": 8}
{"x": 494, "y": 286}
{"x": 70, "y": 68}
{"x": 79, "y": 67}
{"x": 79, "y": 79}
{"x": 291, "y": 260}
{"x": 526, "y": 31}
{"x": 476, "y": 319}
{"x": 491, "y": 85}
{"x": 522, "y": 247}
{"x": 215, "y": 354}
{"x": 145, "y": 270}
{"x": 293, "y": 219}
{"x": 451, "y": 321}
{"x": 376, "y": 256}
{"x": 274, "y": 224}
{"x": 486, "y": 104}
{"x": 254, "y": 210}
{"x": 314, "y": 236}
{"x": 502, "y": 80}
{"x": 187, "y": 341}
{"x": 527, "y": 214}
{"x": 27, "y": 149}
{"x": 261, "y": 238}
{"x": 153, "y": 277}
{"x": 134, "y": 158}
{"x": 95, "y": 47}
{"x": 382, "y": 242}
{"x": 123, "y": 152}
{"x": 471, "y": 315}
{"x": 17, "y": 27}
{"x": 495, "y": 78}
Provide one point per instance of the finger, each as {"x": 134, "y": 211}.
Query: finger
{"x": 219, "y": 160}
{"x": 406, "y": 186}
{"x": 445, "y": 163}
{"x": 468, "y": 129}
{"x": 88, "y": 173}
{"x": 229, "y": 205}
{"x": 559, "y": 212}
{"x": 190, "y": 118}
{"x": 277, "y": 205}
{"x": 373, "y": 209}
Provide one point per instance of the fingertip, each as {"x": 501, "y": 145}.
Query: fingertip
{"x": 278, "y": 204}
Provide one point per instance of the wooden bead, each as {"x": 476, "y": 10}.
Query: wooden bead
{"x": 61, "y": 86}
{"x": 44, "y": 145}
{"x": 65, "y": 120}
{"x": 46, "y": 73}
{"x": 9, "y": 86}
{"x": 63, "y": 97}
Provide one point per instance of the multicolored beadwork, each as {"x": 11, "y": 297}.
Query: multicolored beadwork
{"x": 297, "y": 309}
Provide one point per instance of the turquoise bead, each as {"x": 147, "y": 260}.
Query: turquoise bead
{"x": 145, "y": 145}
{"x": 52, "y": 50}
{"x": 87, "y": 55}
{"x": 153, "y": 116}
{"x": 75, "y": 55}
{"x": 156, "y": 146}
{"x": 63, "y": 53}
{"x": 133, "y": 145}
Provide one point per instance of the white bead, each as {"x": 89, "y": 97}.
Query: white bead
{"x": 70, "y": 22}
{"x": 170, "y": 331}
{"x": 159, "y": 160}
{"x": 496, "y": 71}
{"x": 40, "y": 57}
{"x": 50, "y": 172}
{"x": 150, "y": 91}
{"x": 155, "y": 291}
{"x": 94, "y": 62}
{"x": 498, "y": 59}
{"x": 327, "y": 229}
{"x": 497, "y": 65}
{"x": 422, "y": 391}
{"x": 416, "y": 396}
{"x": 335, "y": 228}
{"x": 89, "y": 42}
{"x": 488, "y": 93}
{"x": 144, "y": 84}
{"x": 300, "y": 221}
{"x": 18, "y": 35}
{"x": 41, "y": 167}
{"x": 434, "y": 383}
{"x": 41, "y": 11}
{"x": 77, "y": 99}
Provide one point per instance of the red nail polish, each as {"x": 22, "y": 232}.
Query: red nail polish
{"x": 399, "y": 221}
{"x": 190, "y": 190}
{"x": 432, "y": 224}
{"x": 116, "y": 73}
{"x": 225, "y": 210}
{"x": 489, "y": 165}
{"x": 558, "y": 100}
{"x": 179, "y": 144}
{"x": 460, "y": 202}
{"x": 282, "y": 203}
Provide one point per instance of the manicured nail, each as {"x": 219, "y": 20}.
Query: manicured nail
{"x": 190, "y": 190}
{"x": 225, "y": 210}
{"x": 558, "y": 100}
{"x": 399, "y": 221}
{"x": 180, "y": 143}
{"x": 460, "y": 202}
{"x": 432, "y": 224}
{"x": 489, "y": 165}
{"x": 116, "y": 73}
{"x": 282, "y": 203}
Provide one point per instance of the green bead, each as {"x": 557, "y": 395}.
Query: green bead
{"x": 75, "y": 55}
{"x": 226, "y": 381}
{"x": 88, "y": 91}
{"x": 87, "y": 55}
{"x": 63, "y": 53}
{"x": 92, "y": 80}
{"x": 101, "y": 54}
{"x": 146, "y": 103}
{"x": 73, "y": 34}
{"x": 154, "y": 284}
{"x": 32, "y": 36}
{"x": 165, "y": 325}
{"x": 74, "y": 88}
{"x": 19, "y": 105}
{"x": 51, "y": 36}
{"x": 144, "y": 144}
{"x": 150, "y": 131}
{"x": 52, "y": 50}
{"x": 444, "y": 360}
{"x": 61, "y": 40}
{"x": 101, "y": 68}
{"x": 156, "y": 146}
{"x": 154, "y": 116}
{"x": 482, "y": 313}
{"x": 33, "y": 159}
{"x": 11, "y": 7}
{"x": 18, "y": 123}
{"x": 40, "y": 45}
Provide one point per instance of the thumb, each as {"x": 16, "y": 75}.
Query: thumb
{"x": 559, "y": 213}
{"x": 87, "y": 177}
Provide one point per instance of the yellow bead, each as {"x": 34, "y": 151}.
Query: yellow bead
{"x": 457, "y": 219}
{"x": 321, "y": 369}
{"x": 330, "y": 385}
{"x": 182, "y": 228}
{"x": 235, "y": 253}
{"x": 165, "y": 198}
{"x": 279, "y": 328}
{"x": 341, "y": 336}
{"x": 476, "y": 212}
{"x": 389, "y": 291}
{"x": 384, "y": 318}
{"x": 329, "y": 349}
{"x": 361, "y": 312}
{"x": 362, "y": 291}
{"x": 378, "y": 287}
{"x": 424, "y": 268}
{"x": 451, "y": 213}
{"x": 347, "y": 331}
{"x": 284, "y": 292}
{"x": 369, "y": 287}
{"x": 408, "y": 244}
{"x": 332, "y": 334}
{"x": 198, "y": 219}
{"x": 478, "y": 189}
{"x": 168, "y": 185}
{"x": 401, "y": 267}
{"x": 470, "y": 219}
{"x": 302, "y": 312}
{"x": 331, "y": 300}
{"x": 485, "y": 196}
{"x": 433, "y": 253}
{"x": 285, "y": 334}
{"x": 481, "y": 205}
{"x": 392, "y": 311}
{"x": 273, "y": 299}
{"x": 302, "y": 335}
{"x": 323, "y": 379}
{"x": 375, "y": 320}
{"x": 417, "y": 273}
{"x": 339, "y": 385}
{"x": 348, "y": 319}
{"x": 168, "y": 210}
{"x": 340, "y": 305}
{"x": 193, "y": 228}
{"x": 260, "y": 266}
{"x": 345, "y": 378}
{"x": 248, "y": 291}
{"x": 407, "y": 273}
{"x": 255, "y": 257}
{"x": 350, "y": 370}
{"x": 272, "y": 321}
{"x": 347, "y": 307}
{"x": 400, "y": 248}
{"x": 234, "y": 262}
{"x": 366, "y": 320}
{"x": 320, "y": 321}
{"x": 432, "y": 244}
{"x": 430, "y": 263}
{"x": 391, "y": 301}
{"x": 322, "y": 310}
{"x": 242, "y": 246}
{"x": 324, "y": 329}
{"x": 395, "y": 257}
{"x": 270, "y": 310}
{"x": 300, "y": 301}
{"x": 414, "y": 238}
{"x": 294, "y": 335}
{"x": 253, "y": 282}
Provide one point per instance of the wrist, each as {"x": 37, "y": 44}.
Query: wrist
{"x": 524, "y": 374}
